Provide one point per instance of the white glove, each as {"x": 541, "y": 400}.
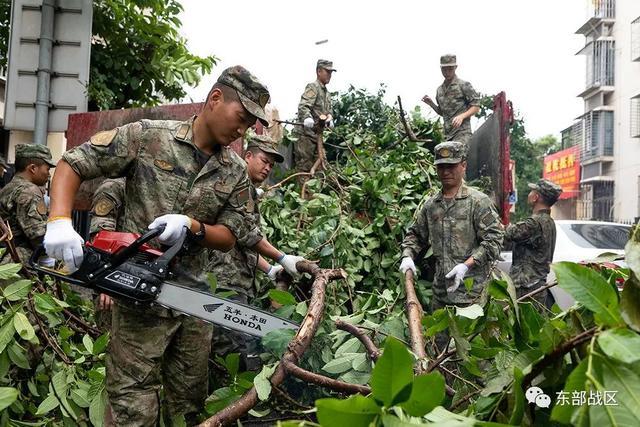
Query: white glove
{"x": 289, "y": 263}
{"x": 407, "y": 264}
{"x": 459, "y": 272}
{"x": 174, "y": 227}
{"x": 273, "y": 272}
{"x": 259, "y": 192}
{"x": 62, "y": 242}
{"x": 308, "y": 123}
{"x": 330, "y": 124}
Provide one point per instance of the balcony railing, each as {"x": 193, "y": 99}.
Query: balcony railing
{"x": 600, "y": 63}
{"x": 593, "y": 133}
{"x": 602, "y": 9}
{"x": 635, "y": 39}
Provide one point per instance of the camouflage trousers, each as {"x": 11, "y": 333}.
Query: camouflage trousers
{"x": 305, "y": 152}
{"x": 153, "y": 348}
{"x": 460, "y": 135}
{"x": 225, "y": 341}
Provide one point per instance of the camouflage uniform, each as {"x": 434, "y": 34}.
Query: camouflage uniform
{"x": 108, "y": 205}
{"x": 166, "y": 173}
{"x": 468, "y": 225}
{"x": 236, "y": 270}
{"x": 315, "y": 101}
{"x": 454, "y": 99}
{"x": 23, "y": 206}
{"x": 106, "y": 210}
{"x": 534, "y": 243}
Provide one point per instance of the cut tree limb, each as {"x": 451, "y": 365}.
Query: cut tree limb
{"x": 409, "y": 132}
{"x": 372, "y": 350}
{"x": 295, "y": 349}
{"x": 414, "y": 315}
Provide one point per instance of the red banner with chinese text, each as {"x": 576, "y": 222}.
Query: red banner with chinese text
{"x": 563, "y": 168}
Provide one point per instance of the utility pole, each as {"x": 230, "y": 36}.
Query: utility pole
{"x": 44, "y": 71}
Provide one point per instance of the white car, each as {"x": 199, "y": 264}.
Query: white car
{"x": 578, "y": 241}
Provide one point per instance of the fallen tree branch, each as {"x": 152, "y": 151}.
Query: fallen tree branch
{"x": 557, "y": 353}
{"x": 323, "y": 381}
{"x": 295, "y": 349}
{"x": 414, "y": 316}
{"x": 372, "y": 350}
{"x": 281, "y": 183}
{"x": 409, "y": 132}
{"x": 43, "y": 332}
{"x": 537, "y": 291}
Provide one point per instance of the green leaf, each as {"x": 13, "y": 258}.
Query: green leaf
{"x": 88, "y": 343}
{"x": 632, "y": 252}
{"x": 624, "y": 384}
{"x": 516, "y": 407}
{"x": 340, "y": 364}
{"x": 352, "y": 345}
{"x": 18, "y": 290}
{"x": 47, "y": 405}
{"x": 100, "y": 345}
{"x": 262, "y": 382}
{"x": 18, "y": 356}
{"x": 620, "y": 344}
{"x": 575, "y": 382}
{"x": 97, "y": 409}
{"x": 6, "y": 332}
{"x": 5, "y": 363}
{"x": 9, "y": 271}
{"x": 389, "y": 420}
{"x": 278, "y": 340}
{"x": 8, "y": 395}
{"x": 213, "y": 282}
{"x": 23, "y": 326}
{"x": 392, "y": 375}
{"x": 427, "y": 393}
{"x": 232, "y": 363}
{"x": 471, "y": 312}
{"x": 590, "y": 289}
{"x": 629, "y": 307}
{"x": 282, "y": 297}
{"x": 80, "y": 398}
{"x": 356, "y": 411}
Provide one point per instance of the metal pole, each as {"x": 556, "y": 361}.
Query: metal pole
{"x": 44, "y": 71}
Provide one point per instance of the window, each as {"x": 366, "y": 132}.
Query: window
{"x": 635, "y": 39}
{"x": 635, "y": 116}
{"x": 599, "y": 236}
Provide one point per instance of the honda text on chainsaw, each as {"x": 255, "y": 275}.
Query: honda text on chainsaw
{"x": 124, "y": 265}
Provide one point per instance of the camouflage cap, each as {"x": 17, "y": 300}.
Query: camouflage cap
{"x": 34, "y": 151}
{"x": 327, "y": 65}
{"x": 266, "y": 144}
{"x": 450, "y": 152}
{"x": 448, "y": 60}
{"x": 252, "y": 93}
{"x": 547, "y": 189}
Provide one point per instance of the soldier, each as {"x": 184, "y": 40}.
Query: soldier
{"x": 534, "y": 242}
{"x": 456, "y": 100}
{"x": 180, "y": 175}
{"x": 22, "y": 201}
{"x": 107, "y": 208}
{"x": 461, "y": 226}
{"x": 235, "y": 270}
{"x": 314, "y": 102}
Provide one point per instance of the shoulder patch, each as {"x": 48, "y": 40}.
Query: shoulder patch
{"x": 183, "y": 131}
{"x": 103, "y": 138}
{"x": 240, "y": 199}
{"x": 104, "y": 206}
{"x": 309, "y": 92}
{"x": 163, "y": 165}
{"x": 41, "y": 207}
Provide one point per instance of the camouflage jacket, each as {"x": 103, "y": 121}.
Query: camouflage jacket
{"x": 534, "y": 242}
{"x": 467, "y": 225}
{"x": 22, "y": 205}
{"x": 315, "y": 101}
{"x": 455, "y": 99}
{"x": 164, "y": 175}
{"x": 108, "y": 205}
{"x": 236, "y": 270}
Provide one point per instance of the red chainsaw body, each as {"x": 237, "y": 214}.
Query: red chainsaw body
{"x": 112, "y": 241}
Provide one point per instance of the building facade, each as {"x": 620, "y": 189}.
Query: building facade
{"x": 608, "y": 132}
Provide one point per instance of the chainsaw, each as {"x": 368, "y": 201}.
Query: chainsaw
{"x": 125, "y": 266}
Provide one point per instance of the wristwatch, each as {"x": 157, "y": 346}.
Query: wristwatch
{"x": 202, "y": 232}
